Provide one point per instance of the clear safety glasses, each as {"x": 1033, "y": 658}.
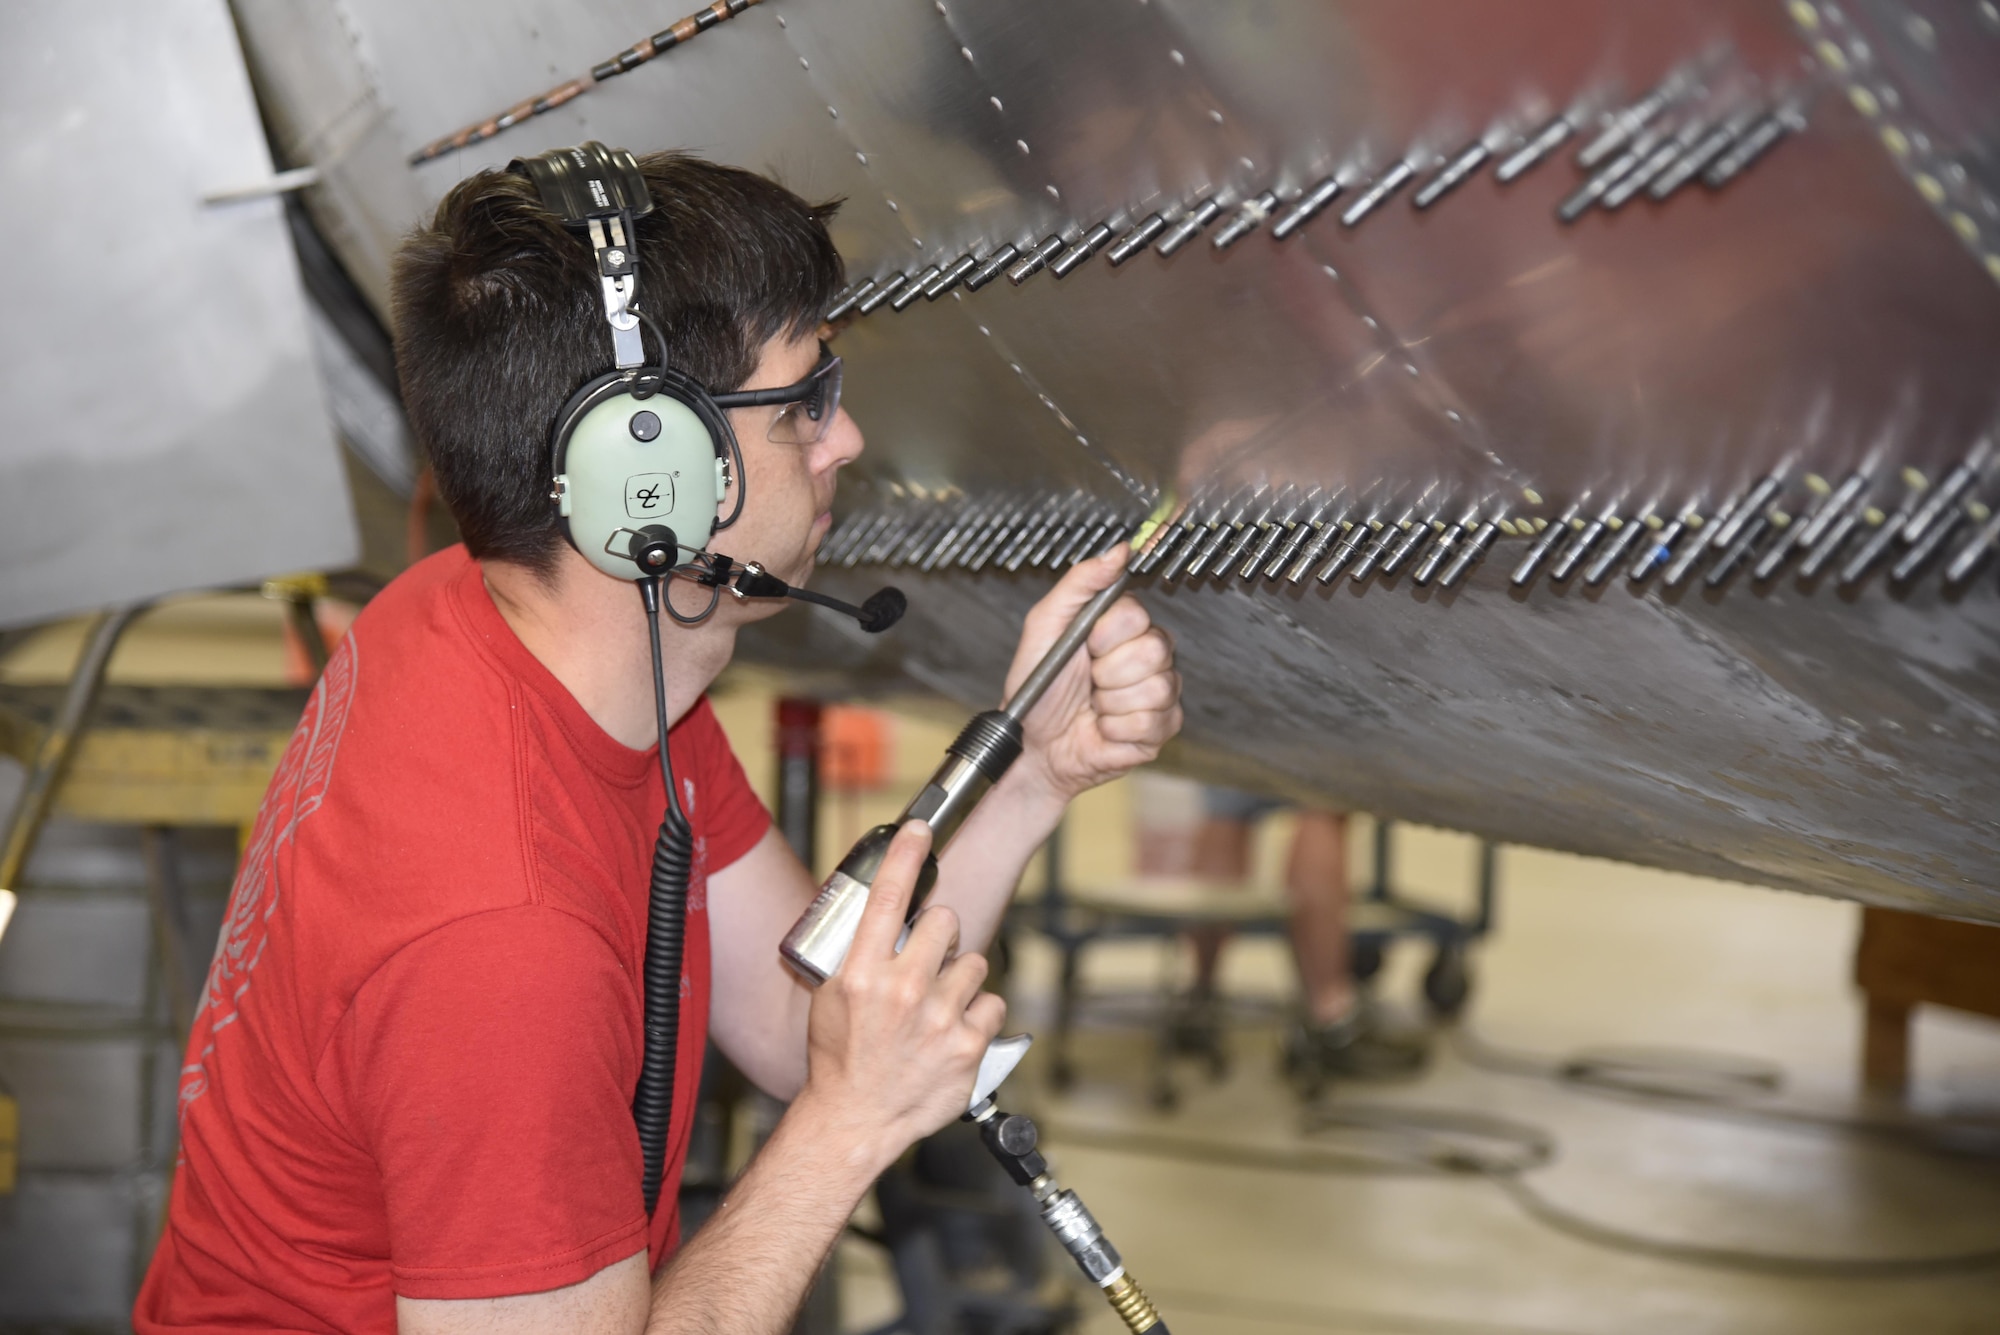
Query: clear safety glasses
{"x": 808, "y": 407}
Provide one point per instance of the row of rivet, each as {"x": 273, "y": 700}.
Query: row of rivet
{"x": 1254, "y": 534}
{"x": 1004, "y": 532}
{"x": 1638, "y": 147}
{"x": 1247, "y": 535}
{"x": 1836, "y": 527}
{"x": 1959, "y": 196}
{"x": 563, "y": 93}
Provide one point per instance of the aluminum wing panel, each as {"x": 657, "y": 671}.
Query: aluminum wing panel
{"x": 165, "y": 425}
{"x": 1750, "y": 248}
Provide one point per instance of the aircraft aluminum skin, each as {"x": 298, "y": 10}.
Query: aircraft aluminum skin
{"x": 164, "y": 429}
{"x": 1588, "y": 328}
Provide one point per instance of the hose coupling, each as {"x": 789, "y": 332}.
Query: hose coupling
{"x": 1080, "y": 1236}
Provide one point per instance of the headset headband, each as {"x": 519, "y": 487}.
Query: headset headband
{"x": 600, "y": 190}
{"x": 588, "y": 181}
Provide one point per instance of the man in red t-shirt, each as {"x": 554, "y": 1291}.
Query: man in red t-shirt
{"x": 406, "y": 1103}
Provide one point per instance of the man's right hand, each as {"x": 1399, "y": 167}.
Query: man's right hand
{"x": 894, "y": 1040}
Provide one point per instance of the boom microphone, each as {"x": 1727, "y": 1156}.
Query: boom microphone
{"x": 881, "y": 610}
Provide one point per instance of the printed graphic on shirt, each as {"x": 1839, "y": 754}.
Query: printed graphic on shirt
{"x": 296, "y": 791}
{"x": 698, "y": 882}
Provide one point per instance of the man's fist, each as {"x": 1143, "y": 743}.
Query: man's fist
{"x": 1117, "y": 702}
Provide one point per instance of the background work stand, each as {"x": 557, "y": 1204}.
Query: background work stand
{"x": 102, "y": 967}
{"x": 1167, "y": 908}
{"x": 1906, "y": 960}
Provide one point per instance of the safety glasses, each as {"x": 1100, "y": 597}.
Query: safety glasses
{"x": 809, "y": 406}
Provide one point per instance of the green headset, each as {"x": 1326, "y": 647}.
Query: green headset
{"x": 641, "y": 457}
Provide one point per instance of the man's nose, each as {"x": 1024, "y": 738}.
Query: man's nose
{"x": 842, "y": 443}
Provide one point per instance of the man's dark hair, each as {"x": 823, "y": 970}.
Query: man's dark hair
{"x": 499, "y": 319}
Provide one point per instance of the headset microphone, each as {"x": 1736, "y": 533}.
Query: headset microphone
{"x": 879, "y": 611}
{"x": 882, "y": 609}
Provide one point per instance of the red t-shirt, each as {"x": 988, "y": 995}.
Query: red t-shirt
{"x": 413, "y": 1068}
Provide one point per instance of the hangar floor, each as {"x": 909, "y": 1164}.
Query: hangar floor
{"x": 1585, "y": 954}
{"x": 1588, "y": 954}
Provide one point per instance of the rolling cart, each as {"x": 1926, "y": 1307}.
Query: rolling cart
{"x": 1161, "y": 908}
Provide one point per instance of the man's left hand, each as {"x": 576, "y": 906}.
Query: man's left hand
{"x": 1118, "y": 700}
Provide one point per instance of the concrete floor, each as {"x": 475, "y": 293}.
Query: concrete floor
{"x": 1586, "y": 954}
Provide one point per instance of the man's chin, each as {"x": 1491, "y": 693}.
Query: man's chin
{"x": 797, "y": 570}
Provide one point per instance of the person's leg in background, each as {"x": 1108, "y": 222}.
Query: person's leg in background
{"x": 1316, "y": 891}
{"x": 1221, "y": 852}
{"x": 1338, "y": 1034}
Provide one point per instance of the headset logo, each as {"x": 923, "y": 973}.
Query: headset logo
{"x": 649, "y": 495}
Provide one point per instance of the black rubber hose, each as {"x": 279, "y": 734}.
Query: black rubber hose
{"x": 666, "y": 927}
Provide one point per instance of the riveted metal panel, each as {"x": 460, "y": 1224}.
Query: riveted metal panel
{"x": 212, "y": 462}
{"x": 1743, "y": 249}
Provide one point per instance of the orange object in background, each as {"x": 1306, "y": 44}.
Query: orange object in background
{"x": 856, "y": 748}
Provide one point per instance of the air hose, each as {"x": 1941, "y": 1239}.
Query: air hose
{"x": 666, "y": 930}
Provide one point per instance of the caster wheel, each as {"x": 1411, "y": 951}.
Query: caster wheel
{"x": 1305, "y": 1075}
{"x": 1165, "y": 1097}
{"x": 1364, "y": 960}
{"x": 1218, "y": 1066}
{"x": 1061, "y": 1075}
{"x": 1291, "y": 1055}
{"x": 1448, "y": 982}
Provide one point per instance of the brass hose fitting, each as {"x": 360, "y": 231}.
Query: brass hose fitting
{"x": 1133, "y": 1306}
{"x": 1012, "y": 1140}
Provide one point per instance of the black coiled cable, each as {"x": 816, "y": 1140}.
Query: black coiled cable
{"x": 666, "y": 927}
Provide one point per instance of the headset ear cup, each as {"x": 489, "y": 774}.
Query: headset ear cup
{"x": 732, "y": 465}
{"x": 624, "y": 464}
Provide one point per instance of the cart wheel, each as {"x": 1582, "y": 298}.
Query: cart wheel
{"x": 1364, "y": 959}
{"x": 1165, "y": 1097}
{"x": 1061, "y": 1075}
{"x": 1310, "y": 1082}
{"x": 1218, "y": 1064}
{"x": 1448, "y": 982}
